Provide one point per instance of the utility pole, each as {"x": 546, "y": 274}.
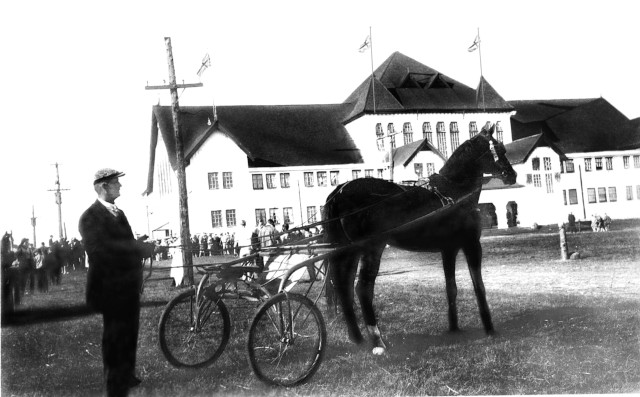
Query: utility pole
{"x": 33, "y": 224}
{"x": 185, "y": 235}
{"x": 58, "y": 194}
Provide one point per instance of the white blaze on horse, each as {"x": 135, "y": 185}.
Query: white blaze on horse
{"x": 442, "y": 216}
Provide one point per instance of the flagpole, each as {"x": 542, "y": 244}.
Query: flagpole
{"x": 481, "y": 75}
{"x": 373, "y": 81}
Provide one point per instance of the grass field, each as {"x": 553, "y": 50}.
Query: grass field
{"x": 564, "y": 327}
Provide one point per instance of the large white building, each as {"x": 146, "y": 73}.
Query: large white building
{"x": 257, "y": 162}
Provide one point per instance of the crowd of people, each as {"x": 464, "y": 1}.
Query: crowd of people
{"x": 598, "y": 223}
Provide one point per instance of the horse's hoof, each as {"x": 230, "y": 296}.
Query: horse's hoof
{"x": 378, "y": 351}
{"x": 357, "y": 339}
{"x": 491, "y": 332}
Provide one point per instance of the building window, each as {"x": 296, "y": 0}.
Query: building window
{"x": 529, "y": 179}
{"x": 308, "y": 179}
{"x": 602, "y": 195}
{"x": 261, "y": 215}
{"x": 499, "y": 132}
{"x": 287, "y": 214}
{"x": 455, "y": 135}
{"x": 392, "y": 142}
{"x": 564, "y": 196}
{"x": 608, "y": 161}
{"x": 473, "y": 129}
{"x": 216, "y": 218}
{"x": 629, "y": 192}
{"x": 231, "y": 218}
{"x": 227, "y": 180}
{"x": 625, "y": 161}
{"x": 407, "y": 132}
{"x": 587, "y": 164}
{"x": 613, "y": 195}
{"x": 380, "y": 136}
{"x": 273, "y": 214}
{"x": 355, "y": 174}
{"x": 638, "y": 192}
{"x": 426, "y": 132}
{"x": 573, "y": 196}
{"x": 568, "y": 165}
{"x": 284, "y": 180}
{"x": 418, "y": 169}
{"x": 442, "y": 138}
{"x": 598, "y": 163}
{"x": 271, "y": 181}
{"x": 547, "y": 163}
{"x": 379, "y": 131}
{"x": 380, "y": 173}
{"x": 213, "y": 181}
{"x": 431, "y": 169}
{"x": 322, "y": 178}
{"x": 636, "y": 161}
{"x": 257, "y": 181}
{"x": 390, "y": 129}
{"x": 549, "y": 182}
{"x": 311, "y": 214}
{"x": 537, "y": 181}
{"x": 591, "y": 195}
{"x": 368, "y": 173}
{"x": 335, "y": 178}
{"x": 535, "y": 164}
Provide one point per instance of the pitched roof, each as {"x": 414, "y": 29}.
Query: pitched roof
{"x": 404, "y": 154}
{"x": 519, "y": 150}
{"x": 402, "y": 84}
{"x": 574, "y": 125}
{"x": 269, "y": 135}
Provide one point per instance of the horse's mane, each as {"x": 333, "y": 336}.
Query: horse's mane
{"x": 458, "y": 166}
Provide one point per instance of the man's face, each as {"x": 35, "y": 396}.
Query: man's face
{"x": 112, "y": 189}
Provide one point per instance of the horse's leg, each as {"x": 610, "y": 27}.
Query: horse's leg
{"x": 366, "y": 283}
{"x": 343, "y": 270}
{"x": 473, "y": 253}
{"x": 449, "y": 264}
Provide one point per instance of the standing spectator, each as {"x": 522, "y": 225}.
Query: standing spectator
{"x": 594, "y": 222}
{"x": 195, "y": 246}
{"x": 244, "y": 240}
{"x": 26, "y": 266}
{"x": 114, "y": 280}
{"x": 572, "y": 223}
{"x": 606, "y": 221}
{"x": 204, "y": 248}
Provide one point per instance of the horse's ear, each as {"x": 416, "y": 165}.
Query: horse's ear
{"x": 487, "y": 131}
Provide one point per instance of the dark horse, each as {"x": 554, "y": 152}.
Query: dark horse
{"x": 441, "y": 215}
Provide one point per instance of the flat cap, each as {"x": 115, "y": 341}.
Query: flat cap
{"x": 106, "y": 173}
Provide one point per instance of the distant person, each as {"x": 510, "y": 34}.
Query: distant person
{"x": 572, "y": 223}
{"x": 114, "y": 280}
{"x": 606, "y": 222}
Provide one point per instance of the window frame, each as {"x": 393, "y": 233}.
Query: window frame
{"x": 285, "y": 180}
{"x": 257, "y": 181}
{"x": 227, "y": 180}
{"x": 216, "y": 215}
{"x": 213, "y": 181}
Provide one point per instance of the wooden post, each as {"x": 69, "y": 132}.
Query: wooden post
{"x": 564, "y": 251}
{"x": 185, "y": 234}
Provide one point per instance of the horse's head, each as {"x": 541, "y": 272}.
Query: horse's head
{"x": 493, "y": 158}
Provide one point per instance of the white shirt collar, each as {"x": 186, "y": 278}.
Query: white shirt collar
{"x": 110, "y": 206}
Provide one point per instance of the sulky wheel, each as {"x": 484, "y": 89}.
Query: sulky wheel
{"x": 286, "y": 340}
{"x": 194, "y": 335}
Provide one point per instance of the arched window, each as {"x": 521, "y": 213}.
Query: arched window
{"x": 473, "y": 129}
{"x": 455, "y": 135}
{"x": 442, "y": 138}
{"x": 426, "y": 132}
{"x": 407, "y": 131}
{"x": 499, "y": 135}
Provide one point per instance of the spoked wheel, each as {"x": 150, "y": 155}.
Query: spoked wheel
{"x": 286, "y": 340}
{"x": 194, "y": 334}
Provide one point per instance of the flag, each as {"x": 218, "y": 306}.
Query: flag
{"x": 206, "y": 62}
{"x": 475, "y": 45}
{"x": 366, "y": 45}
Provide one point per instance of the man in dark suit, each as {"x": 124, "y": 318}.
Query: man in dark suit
{"x": 114, "y": 279}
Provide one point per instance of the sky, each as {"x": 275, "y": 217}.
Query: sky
{"x": 74, "y": 73}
